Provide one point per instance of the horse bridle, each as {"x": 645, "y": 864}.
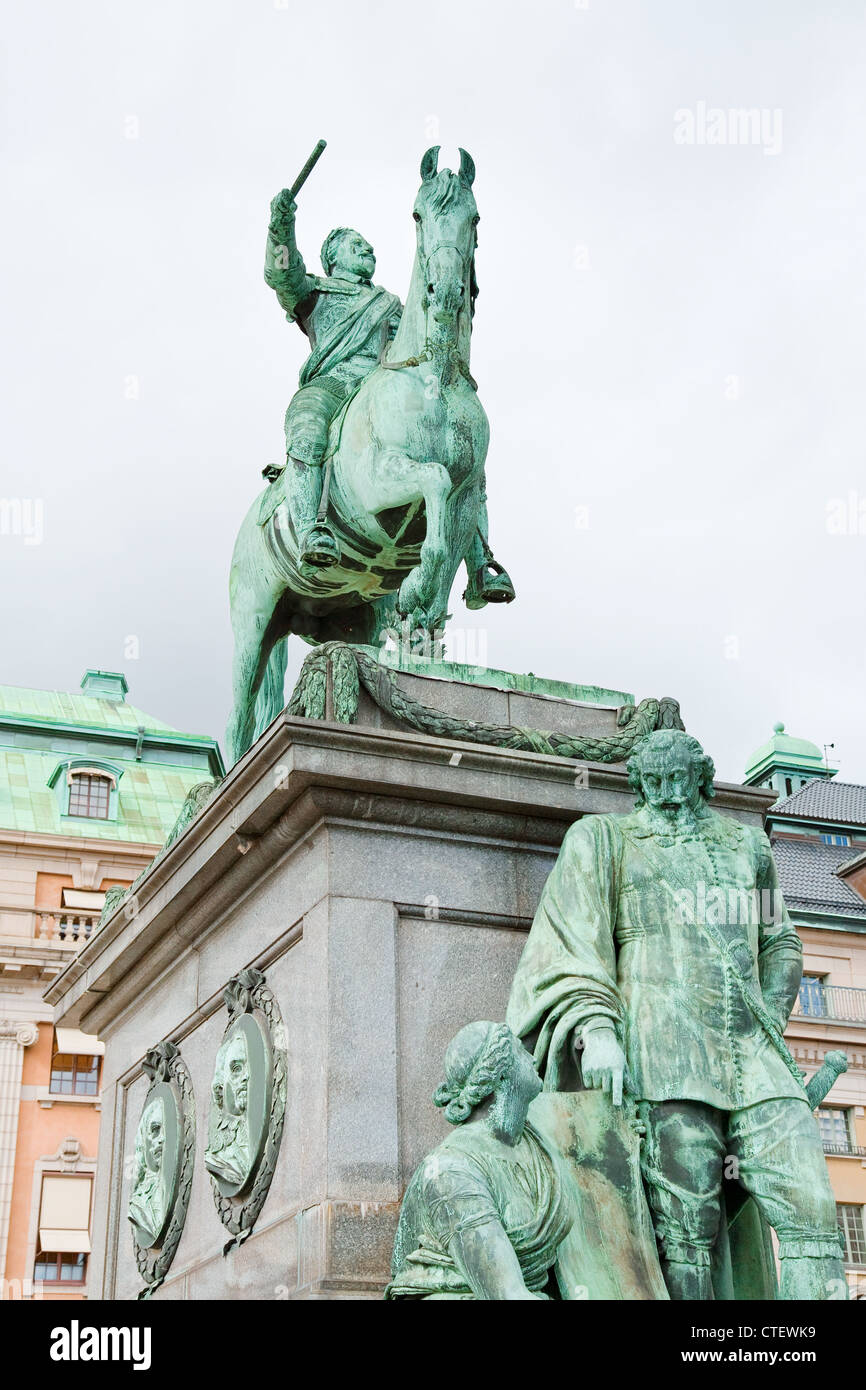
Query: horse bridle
{"x": 426, "y": 355}
{"x": 465, "y": 256}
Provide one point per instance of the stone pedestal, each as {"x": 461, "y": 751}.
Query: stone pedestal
{"x": 384, "y": 882}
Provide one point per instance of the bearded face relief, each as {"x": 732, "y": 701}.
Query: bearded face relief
{"x": 154, "y": 1137}
{"x": 230, "y": 1155}
{"x": 164, "y": 1158}
{"x": 237, "y": 1074}
{"x": 153, "y": 1183}
{"x": 248, "y": 1102}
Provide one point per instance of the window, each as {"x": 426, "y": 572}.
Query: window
{"x": 836, "y": 839}
{"x": 86, "y": 788}
{"x": 89, "y": 794}
{"x": 813, "y": 1002}
{"x": 56, "y": 1268}
{"x": 64, "y": 1228}
{"x": 74, "y": 1076}
{"x": 850, "y": 1218}
{"x": 788, "y": 788}
{"x": 835, "y": 1126}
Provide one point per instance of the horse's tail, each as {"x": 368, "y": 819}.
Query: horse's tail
{"x": 271, "y": 698}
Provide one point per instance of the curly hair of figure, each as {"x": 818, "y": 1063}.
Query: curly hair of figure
{"x": 668, "y": 739}
{"x": 474, "y": 1063}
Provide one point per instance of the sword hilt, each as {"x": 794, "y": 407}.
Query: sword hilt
{"x": 835, "y": 1063}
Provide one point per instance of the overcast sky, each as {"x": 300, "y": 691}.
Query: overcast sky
{"x": 670, "y": 337}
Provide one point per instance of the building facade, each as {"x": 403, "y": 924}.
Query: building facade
{"x": 818, "y": 832}
{"x": 90, "y": 786}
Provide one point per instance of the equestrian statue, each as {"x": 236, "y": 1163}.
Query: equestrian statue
{"x": 382, "y": 495}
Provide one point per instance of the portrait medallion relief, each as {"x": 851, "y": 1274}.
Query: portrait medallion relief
{"x": 156, "y": 1165}
{"x": 162, "y": 1165}
{"x": 248, "y": 1101}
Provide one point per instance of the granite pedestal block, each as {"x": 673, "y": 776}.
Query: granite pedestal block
{"x": 384, "y": 881}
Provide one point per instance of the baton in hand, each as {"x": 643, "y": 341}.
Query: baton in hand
{"x": 307, "y": 169}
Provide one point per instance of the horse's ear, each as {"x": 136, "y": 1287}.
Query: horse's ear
{"x": 429, "y": 163}
{"x": 467, "y": 168}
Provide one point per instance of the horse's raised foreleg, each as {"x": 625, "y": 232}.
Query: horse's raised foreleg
{"x": 423, "y": 595}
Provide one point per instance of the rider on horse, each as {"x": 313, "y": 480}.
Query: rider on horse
{"x": 348, "y": 321}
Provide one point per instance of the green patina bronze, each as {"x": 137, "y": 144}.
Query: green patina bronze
{"x": 533, "y": 1196}
{"x": 331, "y": 676}
{"x": 485, "y": 1213}
{"x": 248, "y": 1105}
{"x": 383, "y": 494}
{"x": 156, "y": 1163}
{"x": 400, "y": 657}
{"x": 662, "y": 966}
{"x": 164, "y": 1158}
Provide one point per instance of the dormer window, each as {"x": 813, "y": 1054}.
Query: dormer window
{"x": 89, "y": 794}
{"x": 86, "y": 788}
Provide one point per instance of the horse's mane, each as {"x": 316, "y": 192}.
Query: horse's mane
{"x": 444, "y": 188}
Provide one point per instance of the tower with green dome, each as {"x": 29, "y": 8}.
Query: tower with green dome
{"x": 785, "y": 764}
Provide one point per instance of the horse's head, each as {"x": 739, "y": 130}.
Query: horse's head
{"x": 446, "y": 216}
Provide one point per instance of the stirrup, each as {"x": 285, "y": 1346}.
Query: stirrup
{"x": 491, "y": 583}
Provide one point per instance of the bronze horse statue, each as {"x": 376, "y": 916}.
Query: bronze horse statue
{"x": 405, "y": 487}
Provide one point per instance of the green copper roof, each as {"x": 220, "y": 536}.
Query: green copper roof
{"x": 154, "y": 764}
{"x": 61, "y": 707}
{"x": 783, "y": 751}
{"x": 150, "y": 798}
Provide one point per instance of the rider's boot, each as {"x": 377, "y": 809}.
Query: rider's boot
{"x": 317, "y": 543}
{"x": 490, "y": 583}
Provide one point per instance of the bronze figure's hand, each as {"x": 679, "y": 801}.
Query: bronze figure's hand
{"x": 283, "y": 207}
{"x": 604, "y": 1063}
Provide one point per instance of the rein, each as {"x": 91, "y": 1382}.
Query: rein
{"x": 427, "y": 353}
